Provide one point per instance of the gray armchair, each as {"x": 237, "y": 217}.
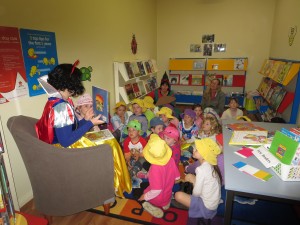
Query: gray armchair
{"x": 64, "y": 181}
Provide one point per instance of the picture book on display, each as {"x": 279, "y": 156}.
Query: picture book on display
{"x": 129, "y": 91}
{"x": 286, "y": 149}
{"x": 141, "y": 68}
{"x": 135, "y": 69}
{"x": 129, "y": 70}
{"x": 227, "y": 80}
{"x": 99, "y": 136}
{"x": 244, "y": 127}
{"x": 101, "y": 103}
{"x": 196, "y": 80}
{"x": 252, "y": 137}
{"x": 136, "y": 89}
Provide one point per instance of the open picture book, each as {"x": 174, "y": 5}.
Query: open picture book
{"x": 99, "y": 136}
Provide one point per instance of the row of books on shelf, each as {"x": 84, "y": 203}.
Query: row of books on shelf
{"x": 188, "y": 92}
{"x": 274, "y": 95}
{"x": 140, "y": 88}
{"x": 140, "y": 68}
{"x": 276, "y": 70}
{"x": 201, "y": 79}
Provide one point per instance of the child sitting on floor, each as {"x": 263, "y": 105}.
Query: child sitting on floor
{"x": 206, "y": 196}
{"x": 133, "y": 147}
{"x": 209, "y": 128}
{"x": 171, "y": 137}
{"x": 187, "y": 127}
{"x": 166, "y": 116}
{"x": 233, "y": 111}
{"x": 137, "y": 108}
{"x": 120, "y": 119}
{"x": 162, "y": 175}
{"x": 149, "y": 108}
{"x": 199, "y": 115}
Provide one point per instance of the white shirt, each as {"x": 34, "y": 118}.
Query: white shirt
{"x": 227, "y": 114}
{"x": 207, "y": 186}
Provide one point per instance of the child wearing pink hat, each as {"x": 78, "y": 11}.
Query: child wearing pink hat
{"x": 84, "y": 103}
{"x": 171, "y": 137}
{"x": 162, "y": 175}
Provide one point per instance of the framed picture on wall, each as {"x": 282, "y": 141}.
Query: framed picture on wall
{"x": 174, "y": 78}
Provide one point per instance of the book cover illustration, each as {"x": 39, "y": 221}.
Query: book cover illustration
{"x": 129, "y": 70}
{"x": 284, "y": 148}
{"x": 268, "y": 67}
{"x": 239, "y": 64}
{"x": 135, "y": 69}
{"x": 263, "y": 67}
{"x": 151, "y": 66}
{"x": 276, "y": 91}
{"x": 269, "y": 94}
{"x": 196, "y": 80}
{"x": 99, "y": 136}
{"x": 248, "y": 137}
{"x": 184, "y": 79}
{"x": 284, "y": 72}
{"x": 227, "y": 80}
{"x": 129, "y": 91}
{"x": 274, "y": 69}
{"x": 279, "y": 99}
{"x": 148, "y": 67}
{"x": 136, "y": 90}
{"x": 101, "y": 103}
{"x": 174, "y": 78}
{"x": 244, "y": 127}
{"x": 141, "y": 68}
{"x": 198, "y": 65}
{"x": 267, "y": 88}
{"x": 141, "y": 86}
{"x": 152, "y": 83}
{"x": 279, "y": 69}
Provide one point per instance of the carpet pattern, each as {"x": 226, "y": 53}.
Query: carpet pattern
{"x": 132, "y": 210}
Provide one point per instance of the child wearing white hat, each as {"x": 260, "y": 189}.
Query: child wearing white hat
{"x": 162, "y": 175}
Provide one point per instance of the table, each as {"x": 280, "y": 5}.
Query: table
{"x": 239, "y": 183}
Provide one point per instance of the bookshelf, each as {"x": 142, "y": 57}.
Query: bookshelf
{"x": 7, "y": 210}
{"x": 279, "y": 88}
{"x": 134, "y": 79}
{"x": 193, "y": 75}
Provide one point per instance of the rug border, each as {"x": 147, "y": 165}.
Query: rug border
{"x": 121, "y": 217}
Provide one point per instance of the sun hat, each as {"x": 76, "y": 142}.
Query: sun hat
{"x": 139, "y": 102}
{"x": 165, "y": 111}
{"x": 171, "y": 132}
{"x": 84, "y": 100}
{"x": 208, "y": 149}
{"x": 211, "y": 111}
{"x": 134, "y": 124}
{"x": 188, "y": 112}
{"x": 156, "y": 121}
{"x": 118, "y": 104}
{"x": 148, "y": 102}
{"x": 157, "y": 151}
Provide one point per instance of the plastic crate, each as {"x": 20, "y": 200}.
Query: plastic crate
{"x": 287, "y": 172}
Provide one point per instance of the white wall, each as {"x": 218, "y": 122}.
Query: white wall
{"x": 98, "y": 32}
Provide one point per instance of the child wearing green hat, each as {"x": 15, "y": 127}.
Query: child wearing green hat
{"x": 138, "y": 109}
{"x": 204, "y": 201}
{"x": 133, "y": 147}
{"x": 162, "y": 175}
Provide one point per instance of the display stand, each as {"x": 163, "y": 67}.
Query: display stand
{"x": 191, "y": 76}
{"x": 134, "y": 79}
{"x": 279, "y": 88}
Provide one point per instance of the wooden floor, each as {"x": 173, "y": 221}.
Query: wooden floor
{"x": 83, "y": 218}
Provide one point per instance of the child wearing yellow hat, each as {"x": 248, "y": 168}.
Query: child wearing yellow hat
{"x": 120, "y": 118}
{"x": 165, "y": 113}
{"x": 204, "y": 201}
{"x": 149, "y": 109}
{"x": 138, "y": 109}
{"x": 162, "y": 175}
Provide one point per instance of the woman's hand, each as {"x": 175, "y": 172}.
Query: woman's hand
{"x": 89, "y": 114}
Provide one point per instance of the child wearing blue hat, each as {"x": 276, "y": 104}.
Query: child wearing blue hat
{"x": 187, "y": 127}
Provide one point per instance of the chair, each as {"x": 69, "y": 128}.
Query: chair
{"x": 64, "y": 181}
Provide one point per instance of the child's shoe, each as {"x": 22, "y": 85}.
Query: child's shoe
{"x": 153, "y": 210}
{"x": 166, "y": 207}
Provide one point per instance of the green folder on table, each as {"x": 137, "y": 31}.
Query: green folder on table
{"x": 284, "y": 148}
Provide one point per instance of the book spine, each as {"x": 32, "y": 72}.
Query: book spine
{"x": 290, "y": 134}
